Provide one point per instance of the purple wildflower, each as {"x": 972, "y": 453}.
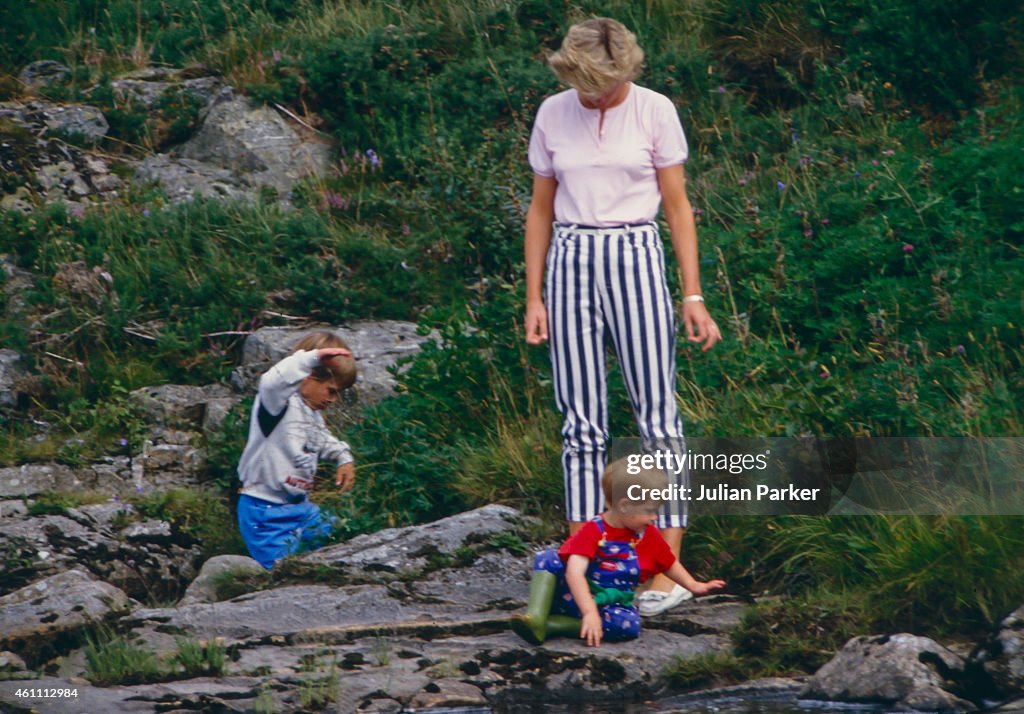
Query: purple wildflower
{"x": 145, "y": 213}
{"x": 781, "y": 186}
{"x": 721, "y": 89}
{"x": 960, "y": 349}
{"x": 138, "y": 488}
{"x": 372, "y": 156}
{"x": 824, "y": 221}
{"x": 874, "y": 162}
{"x": 795, "y": 136}
{"x": 908, "y": 248}
{"x": 123, "y": 442}
{"x": 888, "y": 152}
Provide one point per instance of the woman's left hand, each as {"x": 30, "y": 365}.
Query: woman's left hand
{"x": 699, "y": 325}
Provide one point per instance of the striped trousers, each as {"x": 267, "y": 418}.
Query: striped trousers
{"x": 610, "y": 282}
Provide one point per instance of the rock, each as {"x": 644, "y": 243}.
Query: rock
{"x": 201, "y": 589}
{"x": 411, "y": 548}
{"x": 179, "y": 406}
{"x": 12, "y": 509}
{"x": 152, "y": 531}
{"x": 184, "y": 179}
{"x": 11, "y": 375}
{"x": 49, "y": 169}
{"x": 242, "y": 137}
{"x": 16, "y": 284}
{"x": 34, "y": 618}
{"x": 76, "y": 121}
{"x": 376, "y": 345}
{"x": 33, "y": 479}
{"x": 448, "y": 693}
{"x": 43, "y": 72}
{"x": 57, "y": 120}
{"x": 901, "y": 670}
{"x": 1002, "y": 656}
{"x": 10, "y": 662}
{"x": 153, "y": 87}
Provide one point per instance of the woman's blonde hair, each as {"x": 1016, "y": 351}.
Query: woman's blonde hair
{"x": 596, "y": 55}
{"x": 341, "y": 369}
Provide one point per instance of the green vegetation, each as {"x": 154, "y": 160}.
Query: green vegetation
{"x": 112, "y": 659}
{"x": 855, "y": 168}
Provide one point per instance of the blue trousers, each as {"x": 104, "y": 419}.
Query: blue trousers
{"x": 273, "y": 530}
{"x": 618, "y": 622}
{"x": 611, "y": 282}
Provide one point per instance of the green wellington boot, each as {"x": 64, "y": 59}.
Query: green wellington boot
{"x": 533, "y": 626}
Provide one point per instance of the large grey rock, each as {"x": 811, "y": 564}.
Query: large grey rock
{"x": 42, "y": 72}
{"x": 60, "y": 120}
{"x": 413, "y": 547}
{"x": 12, "y": 373}
{"x": 185, "y": 179}
{"x": 34, "y": 617}
{"x": 178, "y": 406}
{"x": 33, "y": 479}
{"x": 376, "y": 345}
{"x": 153, "y": 85}
{"x": 201, "y": 590}
{"x": 255, "y": 140}
{"x": 895, "y": 670}
{"x": 1002, "y": 657}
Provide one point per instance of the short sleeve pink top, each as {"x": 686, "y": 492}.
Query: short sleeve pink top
{"x": 606, "y": 175}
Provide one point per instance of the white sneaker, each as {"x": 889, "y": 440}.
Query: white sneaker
{"x": 655, "y": 602}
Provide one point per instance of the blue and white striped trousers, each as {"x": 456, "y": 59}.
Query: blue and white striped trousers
{"x": 610, "y": 280}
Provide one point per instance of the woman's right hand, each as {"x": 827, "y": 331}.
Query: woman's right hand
{"x": 536, "y": 323}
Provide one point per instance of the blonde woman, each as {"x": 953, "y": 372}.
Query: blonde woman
{"x": 605, "y": 154}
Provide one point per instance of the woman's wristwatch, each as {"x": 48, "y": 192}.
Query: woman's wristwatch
{"x": 693, "y": 298}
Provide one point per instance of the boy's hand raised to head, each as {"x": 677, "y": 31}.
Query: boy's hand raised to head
{"x": 345, "y": 477}
{"x": 329, "y": 353}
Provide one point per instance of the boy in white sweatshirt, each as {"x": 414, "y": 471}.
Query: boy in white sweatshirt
{"x": 287, "y": 436}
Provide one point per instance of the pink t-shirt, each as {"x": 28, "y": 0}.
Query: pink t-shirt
{"x": 606, "y": 177}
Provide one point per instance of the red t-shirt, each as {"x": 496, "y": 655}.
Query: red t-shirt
{"x": 652, "y": 551}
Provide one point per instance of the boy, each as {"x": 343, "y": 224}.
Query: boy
{"x": 287, "y": 436}
{"x": 589, "y": 582}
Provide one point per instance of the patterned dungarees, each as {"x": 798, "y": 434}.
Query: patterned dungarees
{"x": 615, "y": 569}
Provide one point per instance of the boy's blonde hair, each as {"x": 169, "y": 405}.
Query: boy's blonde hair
{"x": 596, "y": 55}
{"x": 617, "y": 480}
{"x": 341, "y": 369}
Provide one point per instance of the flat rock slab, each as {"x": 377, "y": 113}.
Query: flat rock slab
{"x": 319, "y": 613}
{"x": 411, "y": 548}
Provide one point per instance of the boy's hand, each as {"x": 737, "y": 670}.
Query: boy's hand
{"x": 345, "y": 477}
{"x": 328, "y": 353}
{"x": 591, "y": 630}
{"x": 700, "y": 588}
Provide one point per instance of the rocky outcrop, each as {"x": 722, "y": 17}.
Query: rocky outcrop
{"x": 56, "y": 120}
{"x": 34, "y": 619}
{"x": 148, "y": 559}
{"x": 903, "y": 670}
{"x": 238, "y": 149}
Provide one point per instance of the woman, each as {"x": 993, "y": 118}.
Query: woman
{"x": 604, "y": 154}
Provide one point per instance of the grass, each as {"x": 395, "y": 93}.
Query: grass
{"x": 115, "y": 660}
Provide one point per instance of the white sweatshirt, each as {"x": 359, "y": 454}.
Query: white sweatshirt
{"x": 281, "y": 429}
